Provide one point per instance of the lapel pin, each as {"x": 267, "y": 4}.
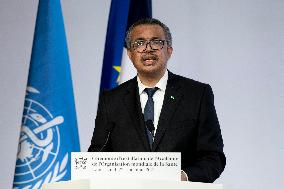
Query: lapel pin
{"x": 172, "y": 97}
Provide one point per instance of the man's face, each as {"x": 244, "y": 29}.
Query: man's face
{"x": 149, "y": 62}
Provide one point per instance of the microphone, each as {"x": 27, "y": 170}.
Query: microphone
{"x": 150, "y": 126}
{"x": 110, "y": 127}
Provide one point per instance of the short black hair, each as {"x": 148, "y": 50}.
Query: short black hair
{"x": 148, "y": 21}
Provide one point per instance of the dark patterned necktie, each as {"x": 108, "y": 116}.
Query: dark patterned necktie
{"x": 149, "y": 113}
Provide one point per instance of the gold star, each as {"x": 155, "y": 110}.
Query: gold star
{"x": 118, "y": 69}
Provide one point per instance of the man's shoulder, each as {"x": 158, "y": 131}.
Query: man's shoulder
{"x": 122, "y": 88}
{"x": 185, "y": 82}
{"x": 190, "y": 88}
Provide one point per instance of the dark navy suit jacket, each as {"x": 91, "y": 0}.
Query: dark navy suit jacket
{"x": 188, "y": 124}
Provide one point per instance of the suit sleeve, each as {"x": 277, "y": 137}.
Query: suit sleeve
{"x": 210, "y": 159}
{"x": 100, "y": 139}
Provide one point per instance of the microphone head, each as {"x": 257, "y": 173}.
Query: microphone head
{"x": 110, "y": 126}
{"x": 150, "y": 126}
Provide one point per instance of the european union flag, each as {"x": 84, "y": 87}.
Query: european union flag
{"x": 49, "y": 127}
{"x": 122, "y": 15}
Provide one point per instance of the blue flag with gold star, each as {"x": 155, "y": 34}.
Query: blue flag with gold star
{"x": 49, "y": 127}
{"x": 122, "y": 15}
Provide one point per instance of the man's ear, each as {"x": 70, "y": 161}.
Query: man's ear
{"x": 170, "y": 51}
{"x": 129, "y": 54}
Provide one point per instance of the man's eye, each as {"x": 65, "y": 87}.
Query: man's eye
{"x": 157, "y": 42}
{"x": 139, "y": 43}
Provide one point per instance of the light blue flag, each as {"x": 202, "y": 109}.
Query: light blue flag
{"x": 49, "y": 127}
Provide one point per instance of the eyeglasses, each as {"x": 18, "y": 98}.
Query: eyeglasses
{"x": 141, "y": 45}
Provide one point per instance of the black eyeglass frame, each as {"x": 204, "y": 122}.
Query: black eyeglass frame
{"x": 146, "y": 42}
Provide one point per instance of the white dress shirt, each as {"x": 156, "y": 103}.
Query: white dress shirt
{"x": 158, "y": 97}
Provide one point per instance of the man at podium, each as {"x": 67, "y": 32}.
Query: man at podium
{"x": 160, "y": 111}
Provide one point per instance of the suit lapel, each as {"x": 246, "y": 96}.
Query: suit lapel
{"x": 172, "y": 98}
{"x": 132, "y": 102}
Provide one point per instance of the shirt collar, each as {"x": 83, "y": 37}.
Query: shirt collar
{"x": 162, "y": 84}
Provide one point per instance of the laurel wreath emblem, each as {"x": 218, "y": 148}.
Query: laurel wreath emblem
{"x": 53, "y": 176}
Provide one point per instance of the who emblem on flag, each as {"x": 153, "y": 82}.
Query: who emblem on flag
{"x": 49, "y": 127}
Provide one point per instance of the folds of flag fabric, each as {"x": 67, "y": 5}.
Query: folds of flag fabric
{"x": 122, "y": 15}
{"x": 49, "y": 130}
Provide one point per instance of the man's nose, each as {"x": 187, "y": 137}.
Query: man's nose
{"x": 148, "y": 47}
